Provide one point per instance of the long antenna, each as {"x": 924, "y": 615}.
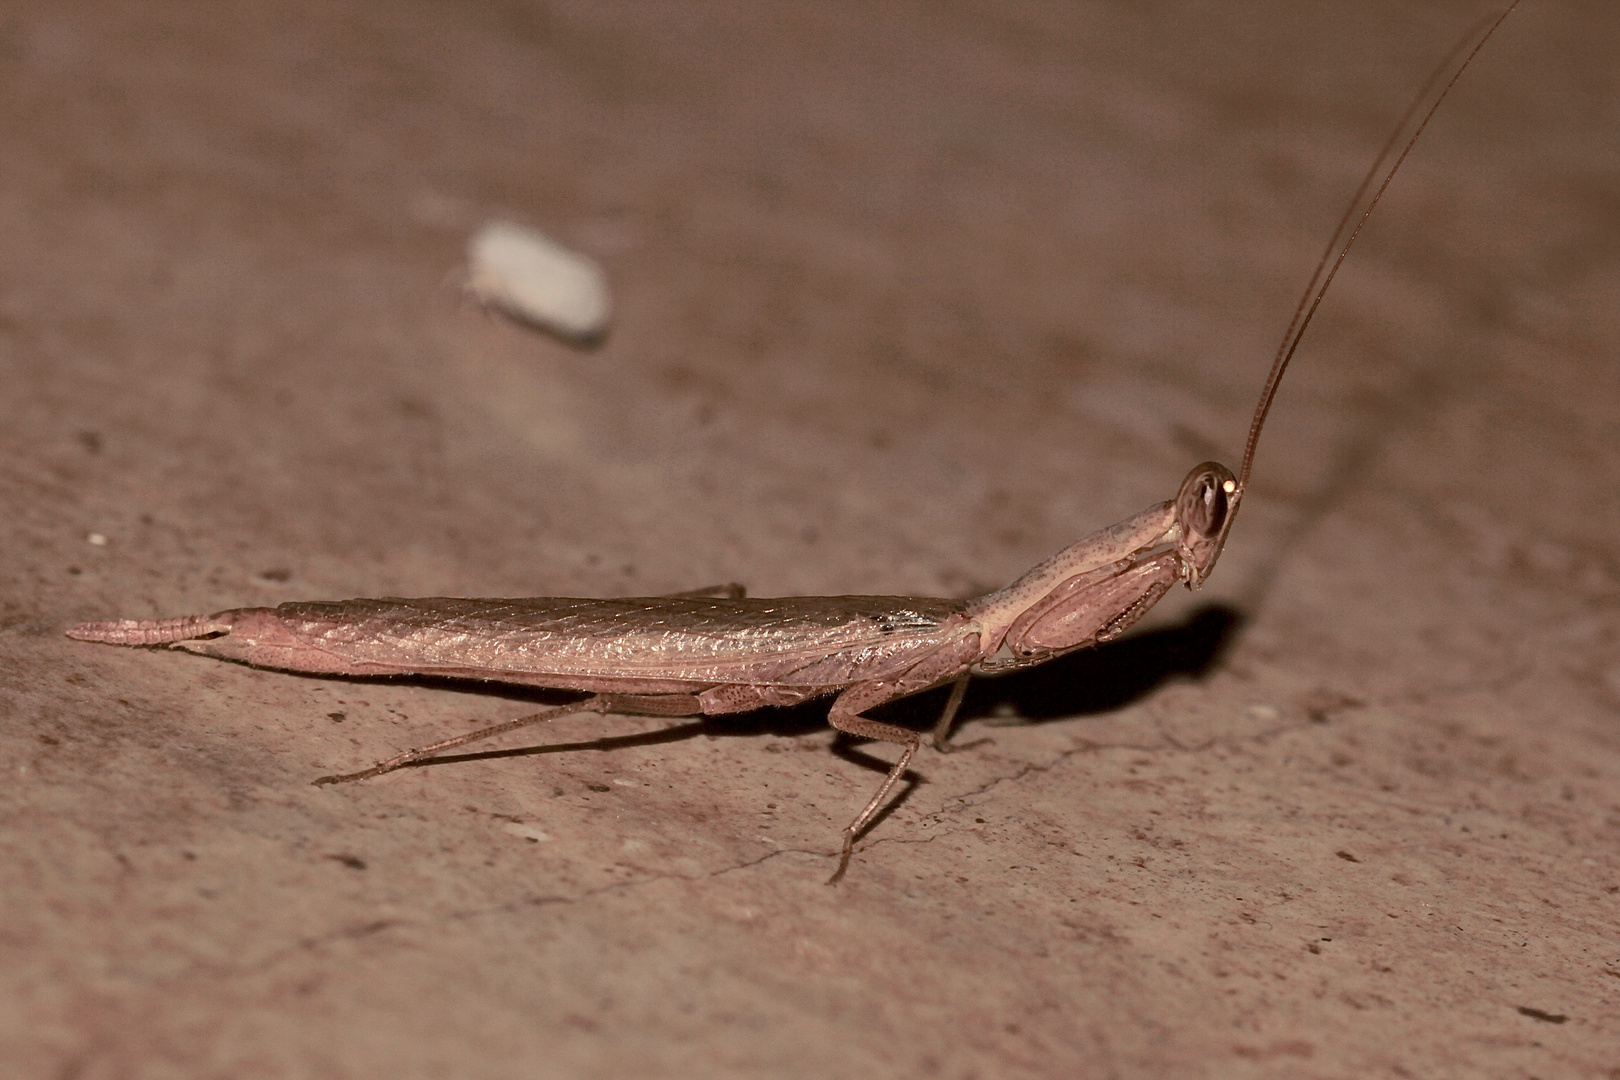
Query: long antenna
{"x": 1318, "y": 286}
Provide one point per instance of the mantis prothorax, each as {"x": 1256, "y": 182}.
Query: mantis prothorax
{"x": 700, "y": 654}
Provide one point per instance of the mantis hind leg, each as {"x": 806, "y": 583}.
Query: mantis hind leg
{"x": 640, "y": 704}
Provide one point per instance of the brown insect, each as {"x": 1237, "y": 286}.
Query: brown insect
{"x": 717, "y": 651}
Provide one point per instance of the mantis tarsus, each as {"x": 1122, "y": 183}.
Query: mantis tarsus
{"x": 718, "y": 652}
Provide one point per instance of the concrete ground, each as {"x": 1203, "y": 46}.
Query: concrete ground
{"x": 908, "y": 296}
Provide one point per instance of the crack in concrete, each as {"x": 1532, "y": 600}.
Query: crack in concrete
{"x": 634, "y": 883}
{"x": 352, "y": 932}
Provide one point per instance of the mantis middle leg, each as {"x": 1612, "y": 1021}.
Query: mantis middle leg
{"x": 949, "y": 662}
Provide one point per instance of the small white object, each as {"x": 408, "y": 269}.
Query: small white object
{"x": 534, "y": 279}
{"x": 97, "y": 539}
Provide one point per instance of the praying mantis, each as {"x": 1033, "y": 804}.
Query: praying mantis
{"x": 718, "y": 651}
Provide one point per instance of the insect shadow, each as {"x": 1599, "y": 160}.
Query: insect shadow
{"x": 1113, "y": 675}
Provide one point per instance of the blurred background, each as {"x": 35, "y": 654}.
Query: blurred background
{"x": 907, "y": 296}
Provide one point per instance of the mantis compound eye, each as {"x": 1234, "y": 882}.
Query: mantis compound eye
{"x": 1204, "y": 511}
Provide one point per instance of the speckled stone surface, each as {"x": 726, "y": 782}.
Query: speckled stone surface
{"x": 906, "y": 297}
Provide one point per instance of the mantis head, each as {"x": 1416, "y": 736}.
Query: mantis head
{"x": 1204, "y": 509}
{"x": 1209, "y": 496}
